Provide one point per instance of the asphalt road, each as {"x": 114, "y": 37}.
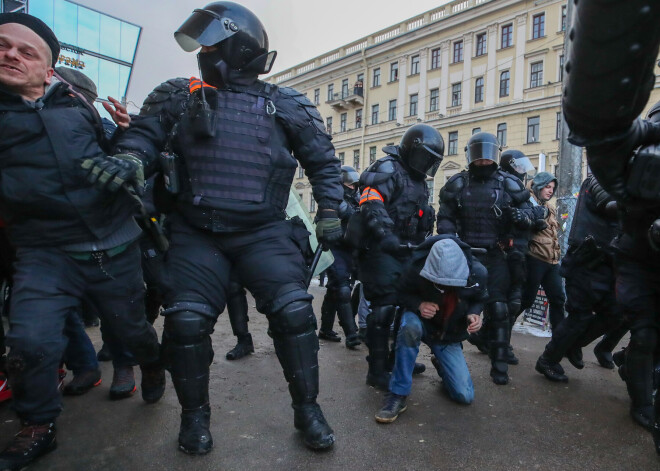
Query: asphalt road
{"x": 530, "y": 424}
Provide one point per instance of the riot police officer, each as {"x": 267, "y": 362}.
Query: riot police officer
{"x": 338, "y": 295}
{"x": 482, "y": 205}
{"x": 235, "y": 137}
{"x": 394, "y": 211}
{"x": 588, "y": 268}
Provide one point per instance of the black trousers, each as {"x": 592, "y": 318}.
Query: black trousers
{"x": 379, "y": 273}
{"x": 49, "y": 287}
{"x": 540, "y": 273}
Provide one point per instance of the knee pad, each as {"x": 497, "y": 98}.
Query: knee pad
{"x": 644, "y": 340}
{"x": 382, "y": 316}
{"x": 235, "y": 289}
{"x": 499, "y": 311}
{"x": 344, "y": 294}
{"x": 293, "y": 319}
{"x": 286, "y": 294}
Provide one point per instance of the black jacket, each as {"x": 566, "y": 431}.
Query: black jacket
{"x": 45, "y": 198}
{"x": 414, "y": 289}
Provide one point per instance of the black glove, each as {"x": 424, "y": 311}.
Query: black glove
{"x": 111, "y": 172}
{"x": 539, "y": 225}
{"x": 390, "y": 244}
{"x": 517, "y": 216}
{"x": 328, "y": 227}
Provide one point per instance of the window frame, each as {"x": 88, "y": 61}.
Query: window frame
{"x": 502, "y": 131}
{"x": 394, "y": 72}
{"x": 452, "y": 143}
{"x": 536, "y": 76}
{"x": 414, "y": 103}
{"x": 457, "y": 52}
{"x": 375, "y": 77}
{"x": 538, "y": 26}
{"x": 479, "y": 90}
{"x": 434, "y": 99}
{"x": 506, "y": 33}
{"x": 414, "y": 65}
{"x": 506, "y": 81}
{"x": 436, "y": 58}
{"x": 456, "y": 94}
{"x": 391, "y": 110}
{"x": 535, "y": 128}
{"x": 481, "y": 48}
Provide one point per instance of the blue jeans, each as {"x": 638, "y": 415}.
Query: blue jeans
{"x": 452, "y": 369}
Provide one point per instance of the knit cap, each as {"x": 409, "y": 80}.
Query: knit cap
{"x": 38, "y": 26}
{"x": 446, "y": 264}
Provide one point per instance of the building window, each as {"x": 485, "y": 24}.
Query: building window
{"x": 356, "y": 159}
{"x": 342, "y": 122}
{"x": 504, "y": 83}
{"x": 563, "y": 17}
{"x": 481, "y": 44}
{"x": 328, "y": 124}
{"x": 536, "y": 75}
{"x": 507, "y": 36}
{"x": 344, "y": 88}
{"x": 435, "y": 58}
{"x": 312, "y": 203}
{"x": 372, "y": 155}
{"x": 391, "y": 111}
{"x": 533, "y": 125}
{"x": 479, "y": 90}
{"x": 558, "y": 127}
{"x": 475, "y": 130}
{"x": 375, "y": 110}
{"x": 561, "y": 68}
{"x": 301, "y": 171}
{"x": 375, "y": 79}
{"x": 456, "y": 94}
{"x": 434, "y": 99}
{"x": 458, "y": 51}
{"x": 317, "y": 96}
{"x": 358, "y": 118}
{"x": 360, "y": 80}
{"x": 501, "y": 134}
{"x": 538, "y": 26}
{"x": 414, "y": 65}
{"x": 331, "y": 92}
{"x": 394, "y": 71}
{"x": 430, "y": 183}
{"x": 452, "y": 147}
{"x": 413, "y": 105}
{"x": 341, "y": 157}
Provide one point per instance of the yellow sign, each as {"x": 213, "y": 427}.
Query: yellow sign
{"x": 71, "y": 62}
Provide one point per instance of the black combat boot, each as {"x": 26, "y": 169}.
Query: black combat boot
{"x": 499, "y": 336}
{"x": 639, "y": 381}
{"x": 604, "y": 356}
{"x": 328, "y": 311}
{"x": 347, "y": 323}
{"x": 550, "y": 370}
{"x": 378, "y": 333}
{"x": 33, "y": 441}
{"x": 194, "y": 434}
{"x": 243, "y": 347}
{"x": 153, "y": 382}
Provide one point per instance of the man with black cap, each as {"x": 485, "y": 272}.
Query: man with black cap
{"x": 442, "y": 294}
{"x": 73, "y": 239}
{"x": 237, "y": 141}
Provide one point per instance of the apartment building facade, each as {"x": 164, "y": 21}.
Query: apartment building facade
{"x": 465, "y": 67}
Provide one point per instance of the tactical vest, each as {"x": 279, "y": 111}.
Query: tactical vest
{"x": 481, "y": 222}
{"x": 587, "y": 222}
{"x": 235, "y": 165}
{"x": 409, "y": 208}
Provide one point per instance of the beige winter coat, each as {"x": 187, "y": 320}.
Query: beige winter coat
{"x": 544, "y": 245}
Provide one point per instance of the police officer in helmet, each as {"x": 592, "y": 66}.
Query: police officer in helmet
{"x": 394, "y": 212}
{"x": 482, "y": 205}
{"x": 235, "y": 137}
{"x": 337, "y": 298}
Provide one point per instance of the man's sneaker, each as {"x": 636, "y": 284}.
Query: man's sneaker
{"x": 604, "y": 357}
{"x": 5, "y": 391}
{"x": 243, "y": 348}
{"x": 393, "y": 406}
{"x": 331, "y": 336}
{"x": 29, "y": 444}
{"x": 83, "y": 382}
{"x": 104, "y": 354}
{"x": 353, "y": 341}
{"x": 194, "y": 434}
{"x": 153, "y": 382}
{"x": 550, "y": 370}
{"x": 309, "y": 419}
{"x": 123, "y": 383}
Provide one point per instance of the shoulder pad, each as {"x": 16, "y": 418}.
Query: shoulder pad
{"x": 453, "y": 187}
{"x": 171, "y": 93}
{"x": 378, "y": 172}
{"x": 514, "y": 187}
{"x": 288, "y": 94}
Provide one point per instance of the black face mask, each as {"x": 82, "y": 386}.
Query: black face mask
{"x": 482, "y": 172}
{"x": 216, "y": 72}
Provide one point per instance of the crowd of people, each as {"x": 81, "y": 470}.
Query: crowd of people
{"x": 170, "y": 212}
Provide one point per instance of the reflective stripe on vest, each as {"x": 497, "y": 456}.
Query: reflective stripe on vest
{"x": 371, "y": 194}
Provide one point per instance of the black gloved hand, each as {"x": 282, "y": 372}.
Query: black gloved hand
{"x": 328, "y": 228}
{"x": 390, "y": 244}
{"x": 111, "y": 172}
{"x": 539, "y": 225}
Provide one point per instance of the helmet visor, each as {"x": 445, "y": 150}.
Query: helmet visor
{"x": 424, "y": 160}
{"x": 483, "y": 150}
{"x": 523, "y": 166}
{"x": 350, "y": 177}
{"x": 204, "y": 28}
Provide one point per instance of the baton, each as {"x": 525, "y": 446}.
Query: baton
{"x": 149, "y": 224}
{"x": 474, "y": 250}
{"x": 315, "y": 262}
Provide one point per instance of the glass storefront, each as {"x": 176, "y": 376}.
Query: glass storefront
{"x": 100, "y": 46}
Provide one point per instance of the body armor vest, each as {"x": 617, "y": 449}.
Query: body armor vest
{"x": 480, "y": 218}
{"x": 409, "y": 209}
{"x": 235, "y": 164}
{"x": 587, "y": 222}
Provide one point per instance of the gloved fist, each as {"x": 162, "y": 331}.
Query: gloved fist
{"x": 390, "y": 244}
{"x": 111, "y": 172}
{"x": 328, "y": 227}
{"x": 516, "y": 215}
{"x": 539, "y": 225}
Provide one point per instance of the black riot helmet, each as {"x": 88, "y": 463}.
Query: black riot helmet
{"x": 516, "y": 163}
{"x": 422, "y": 148}
{"x": 483, "y": 146}
{"x": 238, "y": 34}
{"x": 349, "y": 176}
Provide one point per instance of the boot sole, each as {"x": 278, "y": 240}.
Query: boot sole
{"x": 389, "y": 420}
{"x": 320, "y": 445}
{"x": 122, "y": 395}
{"x": 203, "y": 451}
{"x": 80, "y": 391}
{"x": 238, "y": 357}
